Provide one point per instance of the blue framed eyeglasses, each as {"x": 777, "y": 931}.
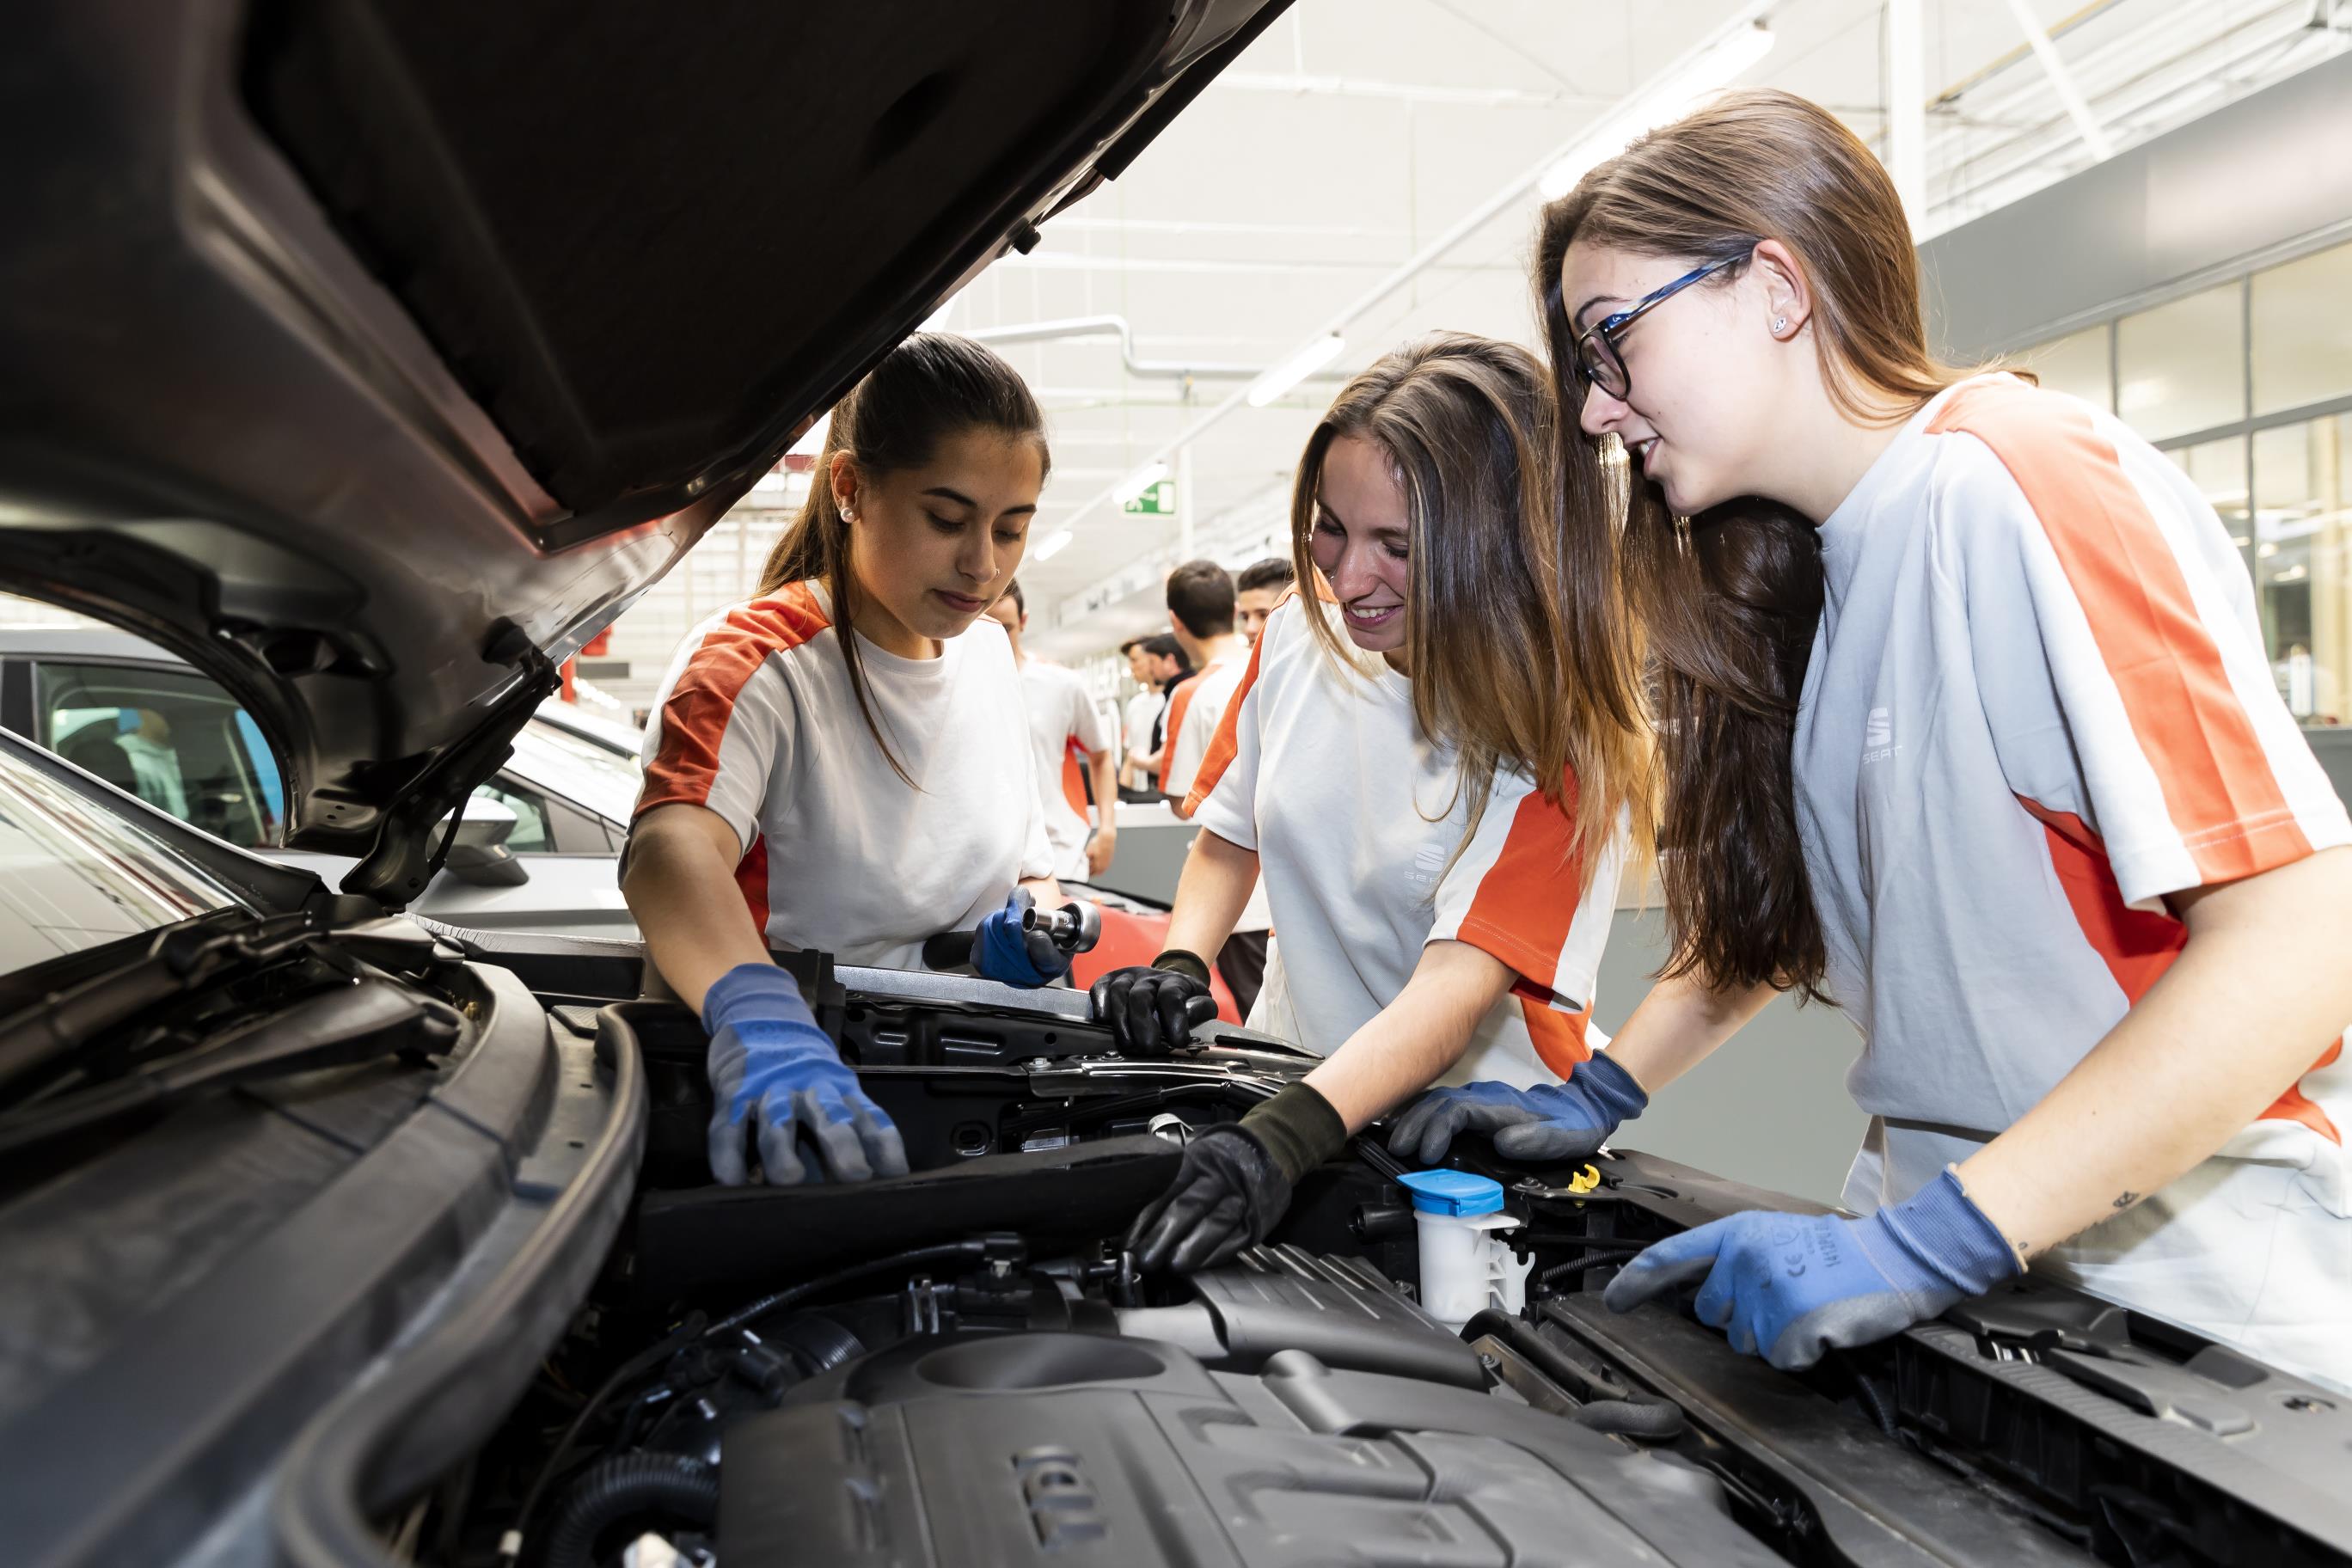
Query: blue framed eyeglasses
{"x": 1598, "y": 358}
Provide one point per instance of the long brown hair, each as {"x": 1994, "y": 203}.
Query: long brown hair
{"x": 929, "y": 388}
{"x": 1731, "y": 599}
{"x": 1520, "y": 652}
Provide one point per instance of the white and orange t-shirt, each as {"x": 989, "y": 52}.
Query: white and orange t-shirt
{"x": 756, "y": 720}
{"x": 1195, "y": 709}
{"x": 1358, "y": 824}
{"x": 1066, "y": 729}
{"x": 2037, "y": 703}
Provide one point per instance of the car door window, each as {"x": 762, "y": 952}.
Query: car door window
{"x": 531, "y": 834}
{"x": 171, "y": 737}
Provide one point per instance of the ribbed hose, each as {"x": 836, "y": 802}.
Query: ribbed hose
{"x": 1631, "y": 1418}
{"x": 678, "y": 1487}
{"x": 1607, "y": 1406}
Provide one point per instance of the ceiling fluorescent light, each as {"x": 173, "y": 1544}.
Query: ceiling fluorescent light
{"x": 810, "y": 445}
{"x": 1136, "y": 483}
{"x": 1052, "y": 544}
{"x": 1310, "y": 358}
{"x": 1715, "y": 68}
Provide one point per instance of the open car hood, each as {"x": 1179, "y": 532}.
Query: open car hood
{"x": 373, "y": 354}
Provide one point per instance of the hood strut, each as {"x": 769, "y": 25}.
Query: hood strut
{"x": 407, "y": 851}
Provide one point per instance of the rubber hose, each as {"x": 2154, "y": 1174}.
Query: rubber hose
{"x": 615, "y": 1488}
{"x": 1598, "y": 1394}
{"x": 1874, "y": 1400}
{"x": 1631, "y": 1418}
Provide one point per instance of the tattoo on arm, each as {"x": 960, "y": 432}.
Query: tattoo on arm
{"x": 2125, "y": 1199}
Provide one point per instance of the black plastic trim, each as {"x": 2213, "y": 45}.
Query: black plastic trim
{"x": 443, "y": 1394}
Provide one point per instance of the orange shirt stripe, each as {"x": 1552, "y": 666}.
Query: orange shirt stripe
{"x": 1557, "y": 1037}
{"x": 1073, "y": 775}
{"x": 1224, "y": 742}
{"x": 694, "y": 717}
{"x": 2219, "y": 789}
{"x": 2139, "y": 945}
{"x": 1527, "y": 898}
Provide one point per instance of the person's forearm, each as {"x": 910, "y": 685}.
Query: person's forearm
{"x": 2253, "y": 1001}
{"x": 1416, "y": 1040}
{"x": 1047, "y": 891}
{"x": 681, "y": 890}
{"x": 1104, "y": 774}
{"x": 1678, "y": 1025}
{"x": 1211, "y": 894}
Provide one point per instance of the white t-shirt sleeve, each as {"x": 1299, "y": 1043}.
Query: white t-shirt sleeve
{"x": 723, "y": 725}
{"x": 1223, "y": 795}
{"x": 2112, "y": 631}
{"x": 1517, "y": 891}
{"x": 1089, "y": 726}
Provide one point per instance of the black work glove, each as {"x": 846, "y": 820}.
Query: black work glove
{"x": 1235, "y": 1183}
{"x": 1153, "y": 1009}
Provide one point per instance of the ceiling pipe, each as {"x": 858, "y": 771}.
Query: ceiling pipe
{"x": 1110, "y": 326}
{"x": 1747, "y": 16}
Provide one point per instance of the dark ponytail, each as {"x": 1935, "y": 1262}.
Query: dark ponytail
{"x": 929, "y": 388}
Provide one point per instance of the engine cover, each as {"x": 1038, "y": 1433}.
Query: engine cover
{"x": 1080, "y": 1450}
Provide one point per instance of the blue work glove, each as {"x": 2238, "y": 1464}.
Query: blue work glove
{"x": 768, "y": 1055}
{"x": 1006, "y": 948}
{"x": 1788, "y": 1287}
{"x": 1551, "y": 1121}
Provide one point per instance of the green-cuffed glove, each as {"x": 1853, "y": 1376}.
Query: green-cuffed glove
{"x": 1235, "y": 1183}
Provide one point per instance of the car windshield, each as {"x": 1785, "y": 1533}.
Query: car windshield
{"x": 589, "y": 776}
{"x": 75, "y": 874}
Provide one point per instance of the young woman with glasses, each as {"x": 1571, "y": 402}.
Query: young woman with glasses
{"x": 1966, "y": 726}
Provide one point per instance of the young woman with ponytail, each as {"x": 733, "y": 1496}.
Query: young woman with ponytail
{"x": 1429, "y": 761}
{"x": 842, "y": 761}
{"x": 1966, "y": 726}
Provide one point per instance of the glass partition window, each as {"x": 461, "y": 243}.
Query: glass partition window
{"x": 2219, "y": 469}
{"x": 2303, "y": 503}
{"x": 169, "y": 736}
{"x": 2076, "y": 365}
{"x": 2182, "y": 367}
{"x": 2303, "y": 331}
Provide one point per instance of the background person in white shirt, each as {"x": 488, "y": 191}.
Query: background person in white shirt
{"x": 841, "y": 763}
{"x": 1142, "y": 710}
{"x": 1257, "y": 588}
{"x": 1201, "y": 613}
{"x": 1962, "y": 691}
{"x": 1430, "y": 775}
{"x": 1071, "y": 741}
{"x": 1169, "y": 671}
{"x": 1203, "y": 606}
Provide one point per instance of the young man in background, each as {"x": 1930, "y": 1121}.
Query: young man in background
{"x": 1256, "y": 591}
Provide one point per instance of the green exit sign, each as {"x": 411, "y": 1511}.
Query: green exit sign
{"x": 1159, "y": 500}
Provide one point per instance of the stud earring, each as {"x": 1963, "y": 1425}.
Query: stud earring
{"x": 1779, "y": 324}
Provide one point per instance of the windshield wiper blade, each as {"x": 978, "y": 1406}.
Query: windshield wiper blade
{"x": 335, "y": 1027}
{"x": 180, "y": 959}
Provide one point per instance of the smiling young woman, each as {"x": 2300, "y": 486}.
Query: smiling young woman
{"x": 842, "y": 762}
{"x": 1965, "y": 723}
{"x": 1429, "y": 761}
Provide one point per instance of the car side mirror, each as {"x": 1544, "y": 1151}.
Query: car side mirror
{"x": 480, "y": 854}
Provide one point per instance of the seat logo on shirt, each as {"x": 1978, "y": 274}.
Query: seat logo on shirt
{"x": 1878, "y": 736}
{"x": 1427, "y": 862}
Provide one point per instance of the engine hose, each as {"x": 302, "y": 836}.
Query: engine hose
{"x": 1662, "y": 1418}
{"x": 1631, "y": 1418}
{"x": 612, "y": 1490}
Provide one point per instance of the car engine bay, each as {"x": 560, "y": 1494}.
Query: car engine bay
{"x": 962, "y": 1364}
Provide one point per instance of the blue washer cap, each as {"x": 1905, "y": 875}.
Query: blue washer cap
{"x": 1455, "y": 1192}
